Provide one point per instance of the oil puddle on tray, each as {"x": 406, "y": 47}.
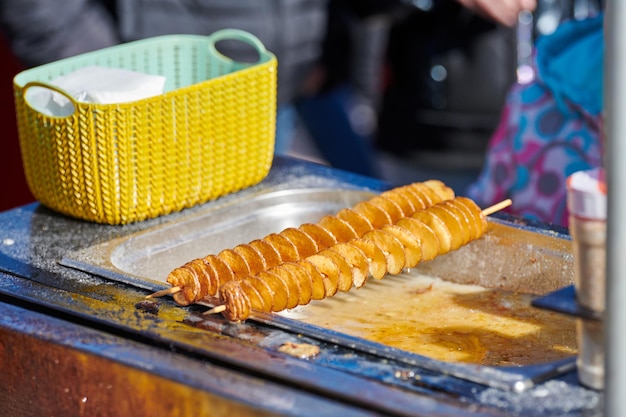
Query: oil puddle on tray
{"x": 446, "y": 321}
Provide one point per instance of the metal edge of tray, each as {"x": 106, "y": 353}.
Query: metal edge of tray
{"x": 564, "y": 301}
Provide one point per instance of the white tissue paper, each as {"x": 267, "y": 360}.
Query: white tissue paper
{"x": 94, "y": 84}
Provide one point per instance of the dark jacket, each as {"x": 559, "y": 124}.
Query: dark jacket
{"x": 41, "y": 31}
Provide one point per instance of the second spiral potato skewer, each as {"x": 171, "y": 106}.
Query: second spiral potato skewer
{"x": 403, "y": 247}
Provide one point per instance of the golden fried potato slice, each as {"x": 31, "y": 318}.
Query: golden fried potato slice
{"x": 207, "y": 278}
{"x": 224, "y": 272}
{"x": 256, "y": 301}
{"x": 268, "y": 253}
{"x": 264, "y": 291}
{"x": 305, "y": 283}
{"x": 279, "y": 290}
{"x": 411, "y": 245}
{"x": 236, "y": 300}
{"x": 355, "y": 219}
{"x": 426, "y": 193}
{"x": 465, "y": 215}
{"x": 438, "y": 226}
{"x": 188, "y": 278}
{"x": 345, "y": 269}
{"x": 391, "y": 247}
{"x": 321, "y": 236}
{"x": 417, "y": 189}
{"x": 235, "y": 262}
{"x": 479, "y": 220}
{"x": 356, "y": 259}
{"x": 291, "y": 282}
{"x": 305, "y": 245}
{"x": 417, "y": 199}
{"x": 460, "y": 234}
{"x": 406, "y": 205}
{"x": 329, "y": 270}
{"x": 429, "y": 242}
{"x": 376, "y": 258}
{"x": 376, "y": 216}
{"x": 286, "y": 249}
{"x": 340, "y": 229}
{"x": 441, "y": 189}
{"x": 318, "y": 289}
{"x": 184, "y": 277}
{"x": 388, "y": 206}
{"x": 254, "y": 260}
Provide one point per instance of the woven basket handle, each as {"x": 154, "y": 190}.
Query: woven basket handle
{"x": 54, "y": 89}
{"x": 237, "y": 35}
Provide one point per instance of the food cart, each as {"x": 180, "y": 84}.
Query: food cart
{"x": 78, "y": 336}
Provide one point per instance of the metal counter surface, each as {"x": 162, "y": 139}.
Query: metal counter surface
{"x": 165, "y": 358}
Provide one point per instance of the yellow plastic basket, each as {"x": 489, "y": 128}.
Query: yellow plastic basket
{"x": 209, "y": 134}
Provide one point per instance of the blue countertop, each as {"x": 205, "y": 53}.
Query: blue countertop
{"x": 101, "y": 317}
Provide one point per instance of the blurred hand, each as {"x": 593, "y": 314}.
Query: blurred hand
{"x": 502, "y": 11}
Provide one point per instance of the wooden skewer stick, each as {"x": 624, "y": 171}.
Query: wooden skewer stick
{"x": 497, "y": 207}
{"x": 166, "y": 291}
{"x": 215, "y": 310}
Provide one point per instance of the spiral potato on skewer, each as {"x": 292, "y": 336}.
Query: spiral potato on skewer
{"x": 201, "y": 278}
{"x": 444, "y": 227}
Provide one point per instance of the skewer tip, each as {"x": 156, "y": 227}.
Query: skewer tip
{"x": 166, "y": 291}
{"x": 497, "y": 207}
{"x": 215, "y": 310}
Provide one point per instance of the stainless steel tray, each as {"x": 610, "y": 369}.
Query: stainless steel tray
{"x": 144, "y": 259}
{"x": 511, "y": 257}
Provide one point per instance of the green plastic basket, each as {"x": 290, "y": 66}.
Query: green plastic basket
{"x": 211, "y": 132}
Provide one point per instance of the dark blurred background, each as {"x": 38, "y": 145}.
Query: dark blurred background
{"x": 429, "y": 79}
{"x": 432, "y": 78}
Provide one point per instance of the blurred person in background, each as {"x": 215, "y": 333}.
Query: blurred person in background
{"x": 341, "y": 111}
{"x": 449, "y": 65}
{"x": 550, "y": 126}
{"x": 504, "y": 12}
{"x": 447, "y": 70}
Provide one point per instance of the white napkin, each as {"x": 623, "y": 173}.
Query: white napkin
{"x": 94, "y": 84}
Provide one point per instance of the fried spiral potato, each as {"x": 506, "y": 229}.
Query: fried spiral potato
{"x": 441, "y": 228}
{"x": 201, "y": 278}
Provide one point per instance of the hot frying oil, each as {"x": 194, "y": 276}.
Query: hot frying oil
{"x": 447, "y": 321}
